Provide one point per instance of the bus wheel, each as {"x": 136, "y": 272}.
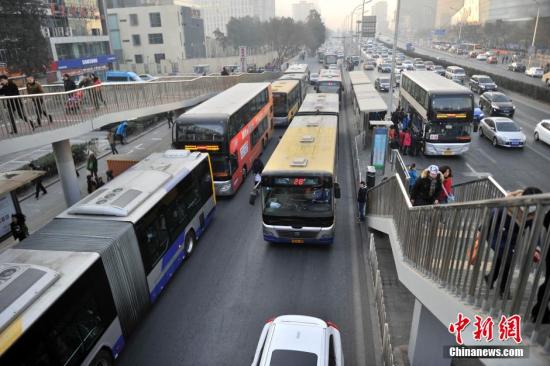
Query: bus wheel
{"x": 190, "y": 241}
{"x": 103, "y": 358}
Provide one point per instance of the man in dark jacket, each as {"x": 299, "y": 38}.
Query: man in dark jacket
{"x": 34, "y": 87}
{"x": 18, "y": 227}
{"x": 428, "y": 188}
{"x": 362, "y": 200}
{"x": 68, "y": 83}
{"x": 38, "y": 182}
{"x": 9, "y": 89}
{"x": 257, "y": 166}
{"x": 224, "y": 72}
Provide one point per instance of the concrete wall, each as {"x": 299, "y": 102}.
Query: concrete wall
{"x": 186, "y": 66}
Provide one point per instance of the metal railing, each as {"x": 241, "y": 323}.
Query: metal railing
{"x": 18, "y": 115}
{"x": 482, "y": 251}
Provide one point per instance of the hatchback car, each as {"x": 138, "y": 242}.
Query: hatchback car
{"x": 496, "y": 104}
{"x": 542, "y": 131}
{"x": 296, "y": 340}
{"x": 502, "y": 131}
{"x": 535, "y": 72}
{"x": 482, "y": 83}
{"x": 382, "y": 84}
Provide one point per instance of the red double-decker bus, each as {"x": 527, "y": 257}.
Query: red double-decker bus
{"x": 234, "y": 127}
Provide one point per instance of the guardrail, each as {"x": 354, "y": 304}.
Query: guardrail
{"x": 20, "y": 115}
{"x": 482, "y": 251}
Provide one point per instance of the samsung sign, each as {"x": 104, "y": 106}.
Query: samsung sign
{"x": 78, "y": 63}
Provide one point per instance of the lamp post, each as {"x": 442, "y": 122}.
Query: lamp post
{"x": 532, "y": 50}
{"x": 392, "y": 75}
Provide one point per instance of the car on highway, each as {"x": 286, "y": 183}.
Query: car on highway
{"x": 473, "y": 54}
{"x": 496, "y": 104}
{"x": 429, "y": 65}
{"x": 313, "y": 78}
{"x": 456, "y": 74}
{"x": 438, "y": 69}
{"x": 502, "y": 131}
{"x": 148, "y": 77}
{"x": 482, "y": 83}
{"x": 481, "y": 57}
{"x": 382, "y": 84}
{"x": 417, "y": 60}
{"x": 535, "y": 72}
{"x": 384, "y": 67}
{"x": 419, "y": 66}
{"x": 517, "y": 67}
{"x": 492, "y": 60}
{"x": 369, "y": 65}
{"x": 542, "y": 131}
{"x": 408, "y": 65}
{"x": 299, "y": 340}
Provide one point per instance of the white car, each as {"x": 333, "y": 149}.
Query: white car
{"x": 542, "y": 131}
{"x": 481, "y": 57}
{"x": 535, "y": 72}
{"x": 148, "y": 77}
{"x": 502, "y": 131}
{"x": 299, "y": 340}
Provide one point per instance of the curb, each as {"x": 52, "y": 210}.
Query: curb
{"x": 83, "y": 165}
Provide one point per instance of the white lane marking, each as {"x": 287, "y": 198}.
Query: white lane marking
{"x": 537, "y": 152}
{"x": 156, "y": 138}
{"x": 487, "y": 156}
{"x": 138, "y": 147}
{"x": 470, "y": 167}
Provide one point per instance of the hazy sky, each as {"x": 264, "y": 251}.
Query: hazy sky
{"x": 332, "y": 11}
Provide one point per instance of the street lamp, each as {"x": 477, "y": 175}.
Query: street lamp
{"x": 392, "y": 75}
{"x": 532, "y": 50}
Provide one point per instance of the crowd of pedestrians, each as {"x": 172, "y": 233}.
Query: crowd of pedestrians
{"x": 402, "y": 134}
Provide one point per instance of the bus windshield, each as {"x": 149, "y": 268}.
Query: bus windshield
{"x": 222, "y": 167}
{"x": 329, "y": 87}
{"x": 293, "y": 197}
{"x": 190, "y": 131}
{"x": 449, "y": 103}
{"x": 280, "y": 107}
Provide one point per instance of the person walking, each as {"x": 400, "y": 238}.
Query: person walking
{"x": 91, "y": 165}
{"x": 407, "y": 141}
{"x": 427, "y": 189}
{"x": 14, "y": 105}
{"x": 401, "y": 139}
{"x": 362, "y": 200}
{"x": 34, "y": 87}
{"x": 19, "y": 228}
{"x": 85, "y": 82}
{"x": 91, "y": 184}
{"x": 38, "y": 182}
{"x": 68, "y": 83}
{"x": 257, "y": 166}
{"x": 446, "y": 195}
{"x": 224, "y": 72}
{"x": 413, "y": 176}
{"x": 112, "y": 142}
{"x": 97, "y": 95}
{"x": 170, "y": 118}
{"x": 120, "y": 131}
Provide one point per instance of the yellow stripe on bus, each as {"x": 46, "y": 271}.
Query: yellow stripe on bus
{"x": 450, "y": 115}
{"x": 10, "y": 335}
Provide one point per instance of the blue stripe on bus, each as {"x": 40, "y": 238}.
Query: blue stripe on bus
{"x": 118, "y": 346}
{"x": 274, "y": 239}
{"x": 179, "y": 259}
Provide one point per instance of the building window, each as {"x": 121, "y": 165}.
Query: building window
{"x": 138, "y": 59}
{"x": 158, "y": 57}
{"x": 155, "y": 38}
{"x": 136, "y": 40}
{"x": 154, "y": 19}
{"x": 134, "y": 20}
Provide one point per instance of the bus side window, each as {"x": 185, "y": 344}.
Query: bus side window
{"x": 204, "y": 181}
{"x": 153, "y": 237}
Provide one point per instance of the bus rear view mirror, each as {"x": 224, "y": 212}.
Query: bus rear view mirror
{"x": 337, "y": 193}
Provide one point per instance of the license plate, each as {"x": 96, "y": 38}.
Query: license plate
{"x": 297, "y": 241}
{"x": 515, "y": 143}
{"x": 447, "y": 152}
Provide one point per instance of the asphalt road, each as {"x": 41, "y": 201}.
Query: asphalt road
{"x": 512, "y": 168}
{"x": 214, "y": 309}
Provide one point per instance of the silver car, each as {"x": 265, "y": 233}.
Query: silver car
{"x": 502, "y": 131}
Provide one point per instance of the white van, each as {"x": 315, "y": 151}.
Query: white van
{"x": 456, "y": 74}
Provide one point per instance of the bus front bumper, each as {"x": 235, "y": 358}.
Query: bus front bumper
{"x": 223, "y": 188}
{"x": 280, "y": 121}
{"x": 431, "y": 148}
{"x": 305, "y": 235}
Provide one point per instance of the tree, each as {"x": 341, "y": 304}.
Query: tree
{"x": 315, "y": 31}
{"x": 221, "y": 38}
{"x": 21, "y": 35}
{"x": 246, "y": 31}
{"x": 283, "y": 35}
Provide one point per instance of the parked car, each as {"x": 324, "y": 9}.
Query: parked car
{"x": 535, "y": 72}
{"x": 429, "y": 65}
{"x": 492, "y": 60}
{"x": 517, "y": 67}
{"x": 299, "y": 340}
{"x": 481, "y": 57}
{"x": 382, "y": 84}
{"x": 385, "y": 68}
{"x": 313, "y": 78}
{"x": 438, "y": 69}
{"x": 496, "y": 104}
{"x": 122, "y": 76}
{"x": 482, "y": 83}
{"x": 542, "y": 131}
{"x": 502, "y": 131}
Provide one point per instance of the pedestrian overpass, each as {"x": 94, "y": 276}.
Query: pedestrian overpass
{"x": 433, "y": 253}
{"x": 83, "y": 110}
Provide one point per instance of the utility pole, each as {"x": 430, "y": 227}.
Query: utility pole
{"x": 392, "y": 78}
{"x": 532, "y": 50}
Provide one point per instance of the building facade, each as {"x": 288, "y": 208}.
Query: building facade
{"x": 380, "y": 10}
{"x": 418, "y": 15}
{"x": 512, "y": 10}
{"x": 445, "y": 10}
{"x": 217, "y": 13}
{"x": 301, "y": 9}
{"x": 78, "y": 36}
{"x": 149, "y": 34}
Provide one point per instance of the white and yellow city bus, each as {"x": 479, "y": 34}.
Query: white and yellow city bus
{"x": 286, "y": 101}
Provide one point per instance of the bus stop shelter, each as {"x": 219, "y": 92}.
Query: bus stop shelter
{"x": 359, "y": 78}
{"x": 368, "y": 106}
{"x": 9, "y": 203}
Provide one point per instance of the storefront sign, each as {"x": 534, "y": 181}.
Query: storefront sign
{"x": 78, "y": 63}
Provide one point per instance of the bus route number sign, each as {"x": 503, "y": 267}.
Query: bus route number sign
{"x": 299, "y": 181}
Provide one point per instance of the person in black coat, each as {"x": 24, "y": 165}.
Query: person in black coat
{"x": 428, "y": 187}
{"x": 68, "y": 83}
{"x": 38, "y": 182}
{"x": 9, "y": 89}
{"x": 18, "y": 227}
{"x": 257, "y": 166}
{"x": 362, "y": 200}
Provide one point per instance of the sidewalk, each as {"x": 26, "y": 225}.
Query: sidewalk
{"x": 40, "y": 212}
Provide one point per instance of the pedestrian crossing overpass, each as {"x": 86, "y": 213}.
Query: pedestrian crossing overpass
{"x": 437, "y": 259}
{"x": 77, "y": 112}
